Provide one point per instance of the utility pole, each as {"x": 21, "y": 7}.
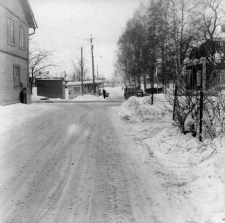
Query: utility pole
{"x": 81, "y": 60}
{"x": 93, "y": 70}
{"x": 157, "y": 79}
{"x": 97, "y": 72}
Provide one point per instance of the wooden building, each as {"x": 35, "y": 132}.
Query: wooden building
{"x": 206, "y": 68}
{"x": 51, "y": 88}
{"x": 75, "y": 87}
{"x": 16, "y": 18}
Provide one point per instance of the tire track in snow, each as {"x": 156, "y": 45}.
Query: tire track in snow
{"x": 65, "y": 205}
{"x": 80, "y": 205}
{"x": 111, "y": 201}
{"x": 35, "y": 194}
{"x": 24, "y": 204}
{"x": 62, "y": 208}
{"x": 97, "y": 188}
{"x": 22, "y": 174}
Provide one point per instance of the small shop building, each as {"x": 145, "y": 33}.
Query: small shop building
{"x": 51, "y": 88}
{"x": 74, "y": 87}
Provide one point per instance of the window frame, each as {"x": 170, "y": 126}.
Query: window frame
{"x": 10, "y": 33}
{"x": 15, "y": 67}
{"x": 75, "y": 89}
{"x": 22, "y": 37}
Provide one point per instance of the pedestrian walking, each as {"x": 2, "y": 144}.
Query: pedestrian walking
{"x": 104, "y": 93}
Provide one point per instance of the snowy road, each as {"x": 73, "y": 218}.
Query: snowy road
{"x": 72, "y": 164}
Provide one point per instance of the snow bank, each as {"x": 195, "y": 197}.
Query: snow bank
{"x": 85, "y": 97}
{"x": 141, "y": 108}
{"x": 199, "y": 167}
{"x": 88, "y": 97}
{"x": 37, "y": 98}
{"x": 16, "y": 114}
{"x": 208, "y": 181}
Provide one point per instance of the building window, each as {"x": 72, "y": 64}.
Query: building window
{"x": 16, "y": 77}
{"x": 10, "y": 31}
{"x": 76, "y": 89}
{"x": 199, "y": 78}
{"x": 188, "y": 79}
{"x": 22, "y": 45}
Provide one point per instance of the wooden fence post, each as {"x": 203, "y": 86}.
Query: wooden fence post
{"x": 175, "y": 100}
{"x": 202, "y": 87}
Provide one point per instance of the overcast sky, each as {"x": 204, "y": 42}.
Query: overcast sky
{"x": 65, "y": 25}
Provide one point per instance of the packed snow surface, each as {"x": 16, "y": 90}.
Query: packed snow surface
{"x": 88, "y": 97}
{"x": 178, "y": 178}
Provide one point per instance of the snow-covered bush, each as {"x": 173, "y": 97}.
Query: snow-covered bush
{"x": 221, "y": 112}
{"x": 132, "y": 103}
{"x": 214, "y": 115}
{"x": 185, "y": 109}
{"x": 186, "y": 112}
{"x": 142, "y": 110}
{"x": 200, "y": 168}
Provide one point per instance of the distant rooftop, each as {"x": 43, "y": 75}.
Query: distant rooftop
{"x": 84, "y": 82}
{"x": 50, "y": 79}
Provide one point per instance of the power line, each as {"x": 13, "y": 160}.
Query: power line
{"x": 65, "y": 33}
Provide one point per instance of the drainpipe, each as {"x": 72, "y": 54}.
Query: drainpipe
{"x": 28, "y": 75}
{"x": 32, "y": 32}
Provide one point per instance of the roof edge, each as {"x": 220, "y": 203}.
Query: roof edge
{"x": 29, "y": 14}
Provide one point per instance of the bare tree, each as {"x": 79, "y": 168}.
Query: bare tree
{"x": 76, "y": 65}
{"x": 178, "y": 32}
{"x": 39, "y": 61}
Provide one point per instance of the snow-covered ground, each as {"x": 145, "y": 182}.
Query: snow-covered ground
{"x": 113, "y": 92}
{"x": 188, "y": 177}
{"x": 199, "y": 168}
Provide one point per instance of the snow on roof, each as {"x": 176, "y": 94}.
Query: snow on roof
{"x": 49, "y": 79}
{"x": 84, "y": 82}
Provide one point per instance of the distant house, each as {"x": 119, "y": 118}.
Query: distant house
{"x": 214, "y": 54}
{"x": 16, "y": 17}
{"x": 75, "y": 87}
{"x": 51, "y": 88}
